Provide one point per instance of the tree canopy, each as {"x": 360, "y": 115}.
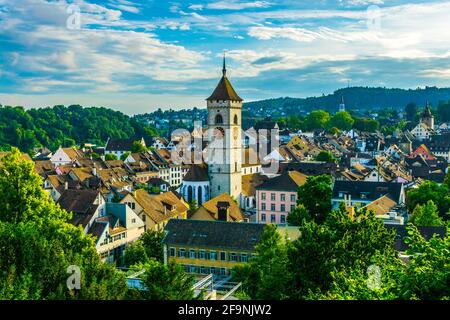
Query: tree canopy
{"x": 38, "y": 245}
{"x": 65, "y": 126}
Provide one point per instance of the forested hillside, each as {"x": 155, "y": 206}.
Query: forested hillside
{"x": 356, "y": 98}
{"x": 65, "y": 126}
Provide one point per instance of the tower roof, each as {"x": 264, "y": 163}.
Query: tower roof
{"x": 427, "y": 112}
{"x": 224, "y": 90}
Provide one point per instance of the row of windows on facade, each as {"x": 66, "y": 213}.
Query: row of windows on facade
{"x": 209, "y": 255}
{"x": 118, "y": 251}
{"x": 206, "y": 270}
{"x": 219, "y": 119}
{"x": 282, "y": 197}
{"x": 109, "y": 239}
{"x": 273, "y": 207}
{"x": 273, "y": 218}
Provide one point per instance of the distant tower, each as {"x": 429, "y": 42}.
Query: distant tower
{"x": 427, "y": 117}
{"x": 342, "y": 105}
{"x": 225, "y": 145}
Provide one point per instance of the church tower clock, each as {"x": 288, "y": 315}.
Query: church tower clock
{"x": 224, "y": 135}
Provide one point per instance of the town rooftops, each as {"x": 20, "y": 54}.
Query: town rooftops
{"x": 209, "y": 209}
{"x": 160, "y": 207}
{"x": 213, "y": 234}
{"x": 81, "y": 203}
{"x": 78, "y": 201}
{"x": 381, "y": 206}
{"x": 310, "y": 168}
{"x": 289, "y": 181}
{"x": 367, "y": 190}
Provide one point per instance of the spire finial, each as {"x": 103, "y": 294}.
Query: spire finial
{"x": 224, "y": 70}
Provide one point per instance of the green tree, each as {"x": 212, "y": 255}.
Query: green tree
{"x": 315, "y": 196}
{"x": 427, "y": 215}
{"x": 425, "y": 276}
{"x": 138, "y": 147}
{"x": 317, "y": 119}
{"x": 266, "y": 276}
{"x": 37, "y": 244}
{"x": 411, "y": 112}
{"x": 341, "y": 120}
{"x": 342, "y": 242}
{"x": 164, "y": 282}
{"x": 325, "y": 156}
{"x": 110, "y": 157}
{"x": 366, "y": 125}
{"x": 124, "y": 156}
{"x": 148, "y": 247}
{"x": 297, "y": 216}
{"x": 443, "y": 111}
{"x": 193, "y": 205}
{"x": 430, "y": 190}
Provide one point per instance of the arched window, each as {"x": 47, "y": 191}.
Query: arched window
{"x": 219, "y": 119}
{"x": 200, "y": 196}
{"x": 235, "y": 121}
{"x": 189, "y": 193}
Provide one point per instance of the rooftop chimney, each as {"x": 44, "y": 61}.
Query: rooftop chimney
{"x": 223, "y": 211}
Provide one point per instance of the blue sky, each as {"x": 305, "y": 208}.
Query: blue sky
{"x": 135, "y": 56}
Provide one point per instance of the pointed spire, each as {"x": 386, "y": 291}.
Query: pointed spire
{"x": 224, "y": 70}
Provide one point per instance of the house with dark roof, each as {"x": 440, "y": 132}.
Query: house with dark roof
{"x": 276, "y": 197}
{"x": 439, "y": 145}
{"x": 210, "y": 247}
{"x": 119, "y": 147}
{"x": 309, "y": 168}
{"x": 159, "y": 184}
{"x": 361, "y": 193}
{"x": 85, "y": 206}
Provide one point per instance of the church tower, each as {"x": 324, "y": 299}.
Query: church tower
{"x": 224, "y": 136}
{"x": 427, "y": 117}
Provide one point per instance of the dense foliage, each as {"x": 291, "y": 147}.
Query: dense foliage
{"x": 362, "y": 98}
{"x": 315, "y": 196}
{"x": 65, "y": 126}
{"x": 148, "y": 247}
{"x": 430, "y": 190}
{"x": 164, "y": 282}
{"x": 348, "y": 256}
{"x": 37, "y": 244}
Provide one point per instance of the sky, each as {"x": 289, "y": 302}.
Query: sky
{"x": 136, "y": 56}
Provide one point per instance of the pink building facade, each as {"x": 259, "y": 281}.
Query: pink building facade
{"x": 274, "y": 206}
{"x": 277, "y": 197}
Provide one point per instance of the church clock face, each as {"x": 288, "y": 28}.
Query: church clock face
{"x": 219, "y": 133}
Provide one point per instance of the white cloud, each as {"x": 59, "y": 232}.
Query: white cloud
{"x": 296, "y": 34}
{"x": 196, "y": 7}
{"x": 236, "y": 5}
